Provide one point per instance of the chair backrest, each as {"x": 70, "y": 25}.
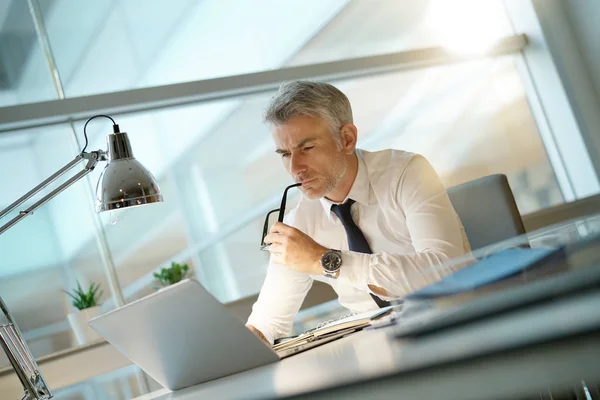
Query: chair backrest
{"x": 487, "y": 209}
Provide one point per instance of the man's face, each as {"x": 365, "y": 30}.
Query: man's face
{"x": 310, "y": 154}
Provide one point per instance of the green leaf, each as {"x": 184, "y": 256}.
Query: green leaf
{"x": 85, "y": 299}
{"x": 175, "y": 273}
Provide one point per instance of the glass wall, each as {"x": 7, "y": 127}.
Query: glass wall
{"x": 50, "y": 250}
{"x": 176, "y": 41}
{"x": 24, "y": 75}
{"x": 469, "y": 120}
{"x": 110, "y": 45}
{"x": 214, "y": 160}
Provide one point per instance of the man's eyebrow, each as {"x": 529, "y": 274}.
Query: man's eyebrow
{"x": 305, "y": 142}
{"x": 302, "y": 144}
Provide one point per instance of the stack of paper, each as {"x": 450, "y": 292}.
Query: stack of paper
{"x": 338, "y": 328}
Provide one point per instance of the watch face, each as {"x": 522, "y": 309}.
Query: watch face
{"x": 331, "y": 261}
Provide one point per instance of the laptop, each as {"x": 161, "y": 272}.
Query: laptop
{"x": 182, "y": 336}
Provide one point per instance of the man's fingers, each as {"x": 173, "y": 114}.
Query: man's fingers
{"x": 280, "y": 227}
{"x": 258, "y": 333}
{"x": 274, "y": 238}
{"x": 275, "y": 248}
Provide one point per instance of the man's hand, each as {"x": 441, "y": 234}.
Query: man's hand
{"x": 379, "y": 291}
{"x": 258, "y": 333}
{"x": 294, "y": 249}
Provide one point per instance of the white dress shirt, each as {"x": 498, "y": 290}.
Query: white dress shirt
{"x": 406, "y": 216}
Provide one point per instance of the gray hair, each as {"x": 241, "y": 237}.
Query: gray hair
{"x": 315, "y": 99}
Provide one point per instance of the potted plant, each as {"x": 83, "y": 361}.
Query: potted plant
{"x": 168, "y": 276}
{"x": 86, "y": 303}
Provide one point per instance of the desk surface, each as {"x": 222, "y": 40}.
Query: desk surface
{"x": 522, "y": 353}
{"x": 551, "y": 345}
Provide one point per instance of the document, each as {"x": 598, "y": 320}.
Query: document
{"x": 346, "y": 325}
{"x": 494, "y": 268}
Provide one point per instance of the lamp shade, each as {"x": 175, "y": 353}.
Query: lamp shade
{"x": 124, "y": 182}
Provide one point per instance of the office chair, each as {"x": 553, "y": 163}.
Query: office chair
{"x": 487, "y": 209}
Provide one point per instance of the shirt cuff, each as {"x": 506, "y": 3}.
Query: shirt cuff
{"x": 355, "y": 268}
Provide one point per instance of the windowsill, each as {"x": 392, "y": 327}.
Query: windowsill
{"x": 60, "y": 354}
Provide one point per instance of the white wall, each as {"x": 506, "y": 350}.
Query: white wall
{"x": 572, "y": 32}
{"x": 584, "y": 16}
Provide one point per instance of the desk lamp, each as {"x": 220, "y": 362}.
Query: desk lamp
{"x": 123, "y": 183}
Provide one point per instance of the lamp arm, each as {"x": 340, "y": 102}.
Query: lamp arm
{"x": 19, "y": 355}
{"x": 92, "y": 159}
{"x": 11, "y": 338}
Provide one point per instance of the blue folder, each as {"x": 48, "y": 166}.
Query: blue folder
{"x": 497, "y": 266}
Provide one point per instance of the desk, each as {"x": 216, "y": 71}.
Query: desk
{"x": 524, "y": 353}
{"x": 535, "y": 350}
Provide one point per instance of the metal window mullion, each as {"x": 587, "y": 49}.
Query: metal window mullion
{"x": 159, "y": 97}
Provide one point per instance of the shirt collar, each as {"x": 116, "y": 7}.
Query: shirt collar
{"x": 359, "y": 192}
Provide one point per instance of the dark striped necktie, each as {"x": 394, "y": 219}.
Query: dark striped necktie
{"x": 356, "y": 239}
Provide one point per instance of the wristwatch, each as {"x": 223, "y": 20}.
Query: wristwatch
{"x": 331, "y": 262}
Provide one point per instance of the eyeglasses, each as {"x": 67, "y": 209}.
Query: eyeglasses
{"x": 281, "y": 209}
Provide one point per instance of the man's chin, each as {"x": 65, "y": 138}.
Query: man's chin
{"x": 312, "y": 194}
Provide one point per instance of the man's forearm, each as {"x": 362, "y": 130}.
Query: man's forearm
{"x": 258, "y": 333}
{"x": 396, "y": 275}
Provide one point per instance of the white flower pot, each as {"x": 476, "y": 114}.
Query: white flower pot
{"x": 79, "y": 323}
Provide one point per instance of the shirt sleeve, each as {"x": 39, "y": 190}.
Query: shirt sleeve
{"x": 280, "y": 298}
{"x": 435, "y": 231}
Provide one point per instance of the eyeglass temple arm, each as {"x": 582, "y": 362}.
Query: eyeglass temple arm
{"x": 281, "y": 210}
{"x": 283, "y": 201}
{"x": 92, "y": 159}
{"x": 266, "y": 226}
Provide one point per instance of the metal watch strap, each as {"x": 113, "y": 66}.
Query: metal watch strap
{"x": 331, "y": 274}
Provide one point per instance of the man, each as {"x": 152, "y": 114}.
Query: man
{"x": 373, "y": 225}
